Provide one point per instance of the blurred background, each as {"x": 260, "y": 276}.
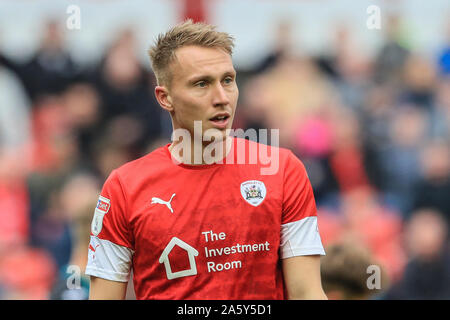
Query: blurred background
{"x": 366, "y": 109}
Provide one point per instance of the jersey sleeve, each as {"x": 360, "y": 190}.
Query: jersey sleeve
{"x": 299, "y": 229}
{"x": 111, "y": 244}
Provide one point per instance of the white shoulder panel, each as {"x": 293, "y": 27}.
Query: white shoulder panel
{"x": 300, "y": 238}
{"x": 108, "y": 260}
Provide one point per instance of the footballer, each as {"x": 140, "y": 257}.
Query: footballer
{"x": 190, "y": 229}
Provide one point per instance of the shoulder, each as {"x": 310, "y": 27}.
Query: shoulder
{"x": 143, "y": 166}
{"x": 272, "y": 159}
{"x": 262, "y": 148}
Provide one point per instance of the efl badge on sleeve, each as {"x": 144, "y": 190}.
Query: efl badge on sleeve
{"x": 103, "y": 205}
{"x": 253, "y": 191}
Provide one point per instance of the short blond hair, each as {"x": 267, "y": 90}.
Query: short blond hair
{"x": 162, "y": 53}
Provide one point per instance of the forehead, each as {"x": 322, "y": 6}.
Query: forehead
{"x": 194, "y": 61}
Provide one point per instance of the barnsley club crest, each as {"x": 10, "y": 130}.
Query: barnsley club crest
{"x": 253, "y": 191}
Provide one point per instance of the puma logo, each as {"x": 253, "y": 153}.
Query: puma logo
{"x": 166, "y": 203}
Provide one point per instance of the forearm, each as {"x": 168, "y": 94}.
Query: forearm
{"x": 308, "y": 295}
{"x": 101, "y": 289}
{"x": 302, "y": 278}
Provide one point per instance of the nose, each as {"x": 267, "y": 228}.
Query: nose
{"x": 220, "y": 97}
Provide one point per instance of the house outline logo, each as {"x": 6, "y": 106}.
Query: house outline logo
{"x": 164, "y": 258}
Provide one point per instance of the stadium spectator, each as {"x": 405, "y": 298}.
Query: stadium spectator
{"x": 26, "y": 274}
{"x": 427, "y": 274}
{"x": 363, "y": 219}
{"x": 400, "y": 159}
{"x": 82, "y": 106}
{"x": 439, "y": 119}
{"x": 444, "y": 55}
{"x": 392, "y": 56}
{"x": 345, "y": 273}
{"x": 14, "y": 113}
{"x": 50, "y": 70}
{"x": 14, "y": 202}
{"x": 433, "y": 190}
{"x": 77, "y": 197}
{"x": 125, "y": 88}
{"x": 281, "y": 48}
{"x": 419, "y": 82}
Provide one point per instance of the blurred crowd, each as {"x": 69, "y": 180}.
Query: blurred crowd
{"x": 373, "y": 133}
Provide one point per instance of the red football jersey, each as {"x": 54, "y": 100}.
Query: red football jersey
{"x": 213, "y": 231}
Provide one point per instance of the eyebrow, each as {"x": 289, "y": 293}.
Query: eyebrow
{"x": 210, "y": 78}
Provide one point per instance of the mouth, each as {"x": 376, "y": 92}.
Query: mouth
{"x": 220, "y": 121}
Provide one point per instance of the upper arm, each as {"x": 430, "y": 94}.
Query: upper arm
{"x": 302, "y": 277}
{"x": 300, "y": 245}
{"x": 110, "y": 250}
{"x": 299, "y": 226}
{"x": 102, "y": 289}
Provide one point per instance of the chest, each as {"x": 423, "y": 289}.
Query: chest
{"x": 202, "y": 207}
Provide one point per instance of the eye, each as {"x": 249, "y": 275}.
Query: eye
{"x": 228, "y": 80}
{"x": 201, "y": 84}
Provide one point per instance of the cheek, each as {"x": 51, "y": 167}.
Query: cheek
{"x": 234, "y": 98}
{"x": 189, "y": 107}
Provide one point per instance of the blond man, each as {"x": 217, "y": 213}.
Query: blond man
{"x": 191, "y": 226}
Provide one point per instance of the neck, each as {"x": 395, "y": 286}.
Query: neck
{"x": 197, "y": 152}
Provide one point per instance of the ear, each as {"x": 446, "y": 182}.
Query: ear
{"x": 163, "y": 97}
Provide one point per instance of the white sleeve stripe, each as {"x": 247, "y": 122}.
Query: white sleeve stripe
{"x": 300, "y": 238}
{"x": 108, "y": 275}
{"x": 109, "y": 260}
